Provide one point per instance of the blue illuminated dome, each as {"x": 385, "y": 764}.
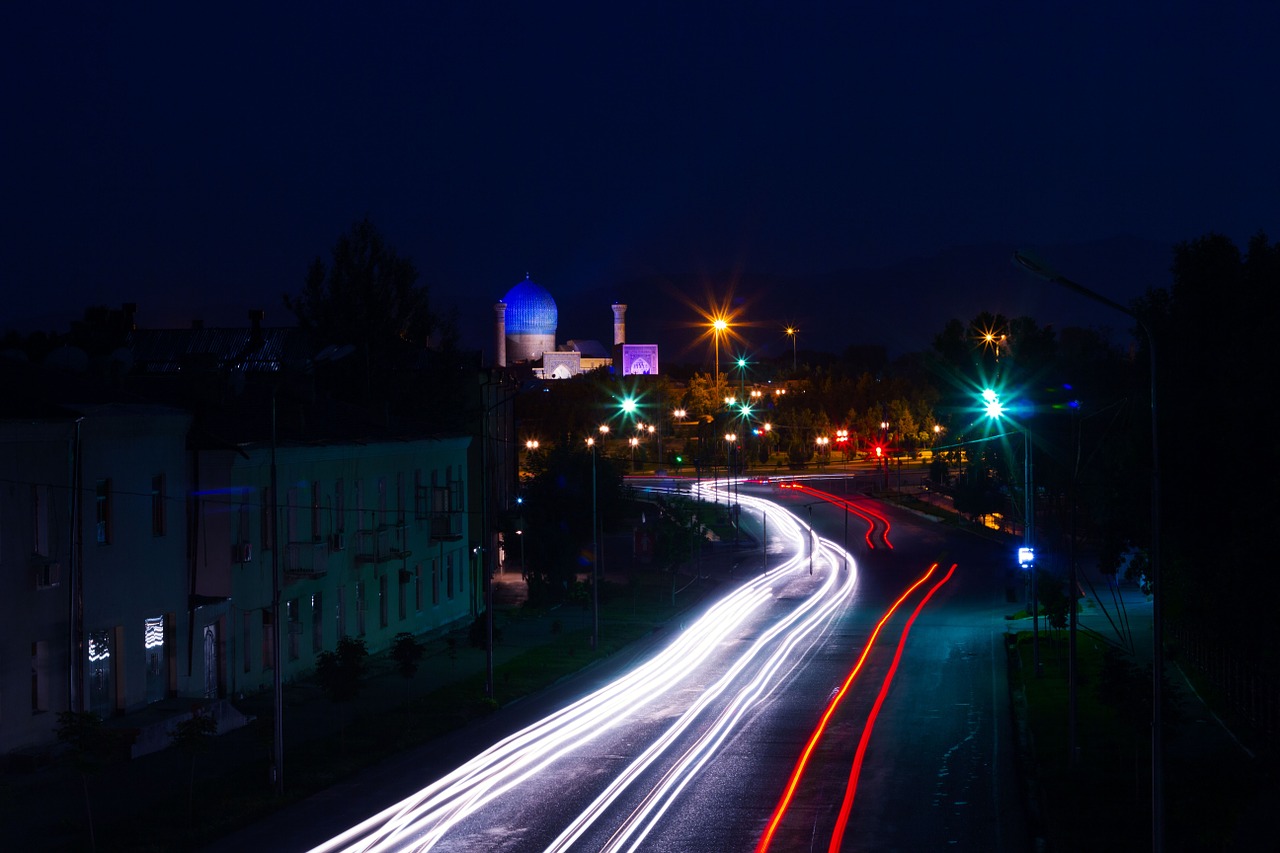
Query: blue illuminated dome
{"x": 530, "y": 310}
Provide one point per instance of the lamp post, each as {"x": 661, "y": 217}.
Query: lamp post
{"x": 277, "y": 684}
{"x": 1041, "y": 270}
{"x": 595, "y": 549}
{"x": 524, "y": 569}
{"x": 793, "y": 332}
{"x": 718, "y": 327}
{"x": 884, "y": 460}
{"x": 729, "y": 439}
{"x": 633, "y": 441}
{"x": 1026, "y": 554}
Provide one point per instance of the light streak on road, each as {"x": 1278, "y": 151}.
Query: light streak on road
{"x": 837, "y": 836}
{"x": 867, "y": 514}
{"x": 783, "y": 638}
{"x": 421, "y": 821}
{"x": 780, "y": 810}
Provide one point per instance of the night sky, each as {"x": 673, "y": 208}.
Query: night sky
{"x": 195, "y": 158}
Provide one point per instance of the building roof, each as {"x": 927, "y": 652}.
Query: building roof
{"x": 590, "y": 349}
{"x": 530, "y": 310}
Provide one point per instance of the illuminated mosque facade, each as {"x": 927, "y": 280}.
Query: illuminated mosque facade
{"x": 525, "y": 325}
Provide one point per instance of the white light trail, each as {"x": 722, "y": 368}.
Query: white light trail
{"x": 419, "y": 822}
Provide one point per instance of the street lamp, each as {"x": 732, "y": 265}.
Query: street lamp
{"x": 822, "y": 442}
{"x": 718, "y": 328}
{"x": 524, "y": 569}
{"x": 595, "y": 547}
{"x": 793, "y": 333}
{"x": 1041, "y": 270}
{"x": 994, "y": 409}
{"x": 633, "y": 441}
{"x": 730, "y": 439}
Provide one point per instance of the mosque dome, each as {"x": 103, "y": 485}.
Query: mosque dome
{"x": 530, "y": 310}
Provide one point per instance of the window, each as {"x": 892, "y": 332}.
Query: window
{"x": 293, "y": 620}
{"x": 404, "y": 577}
{"x": 268, "y": 640}
{"x": 242, "y": 517}
{"x": 435, "y": 582}
{"x": 419, "y": 496}
{"x": 315, "y": 512}
{"x": 157, "y": 505}
{"x": 400, "y": 497}
{"x": 382, "y": 502}
{"x": 40, "y": 677}
{"x": 360, "y": 517}
{"x": 317, "y": 622}
{"x": 102, "y": 511}
{"x": 342, "y": 612}
{"x": 417, "y": 588}
{"x": 101, "y": 684}
{"x": 382, "y": 601}
{"x": 360, "y": 608}
{"x": 40, "y": 519}
{"x": 448, "y": 574}
{"x": 339, "y": 506}
{"x": 156, "y": 660}
{"x": 268, "y": 518}
{"x": 292, "y": 503}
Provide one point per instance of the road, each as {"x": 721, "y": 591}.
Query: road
{"x": 697, "y": 747}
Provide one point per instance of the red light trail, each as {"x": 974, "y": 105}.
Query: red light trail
{"x": 856, "y": 770}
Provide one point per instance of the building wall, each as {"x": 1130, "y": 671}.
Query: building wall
{"x": 178, "y": 604}
{"x": 529, "y": 347}
{"x": 369, "y": 541}
{"x": 125, "y": 559}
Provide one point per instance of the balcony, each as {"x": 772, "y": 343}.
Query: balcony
{"x": 379, "y": 545}
{"x": 306, "y": 559}
{"x": 446, "y": 527}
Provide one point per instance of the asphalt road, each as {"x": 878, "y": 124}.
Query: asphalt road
{"x": 939, "y": 768}
{"x": 699, "y": 754}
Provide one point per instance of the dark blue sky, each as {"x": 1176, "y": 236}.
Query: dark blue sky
{"x": 194, "y": 159}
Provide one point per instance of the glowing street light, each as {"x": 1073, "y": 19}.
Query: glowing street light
{"x": 793, "y": 333}
{"x": 718, "y": 327}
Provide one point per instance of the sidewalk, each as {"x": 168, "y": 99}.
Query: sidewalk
{"x": 46, "y": 806}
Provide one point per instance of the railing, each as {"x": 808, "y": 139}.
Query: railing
{"x": 306, "y": 558}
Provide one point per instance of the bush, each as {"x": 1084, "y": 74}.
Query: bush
{"x": 478, "y": 634}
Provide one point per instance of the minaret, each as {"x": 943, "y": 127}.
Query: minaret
{"x": 500, "y": 334}
{"x": 619, "y": 324}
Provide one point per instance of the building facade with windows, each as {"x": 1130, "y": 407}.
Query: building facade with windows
{"x": 93, "y": 582}
{"x": 364, "y": 539}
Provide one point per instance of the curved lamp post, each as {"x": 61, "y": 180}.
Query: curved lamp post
{"x": 1039, "y": 269}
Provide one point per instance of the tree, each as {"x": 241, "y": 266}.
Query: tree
{"x": 90, "y": 748}
{"x": 368, "y": 297}
{"x": 339, "y": 672}
{"x": 558, "y": 513}
{"x": 406, "y": 651}
{"x": 192, "y": 736}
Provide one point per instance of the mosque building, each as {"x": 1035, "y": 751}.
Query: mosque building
{"x": 525, "y": 326}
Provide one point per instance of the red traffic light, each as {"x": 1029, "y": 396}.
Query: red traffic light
{"x": 879, "y": 450}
